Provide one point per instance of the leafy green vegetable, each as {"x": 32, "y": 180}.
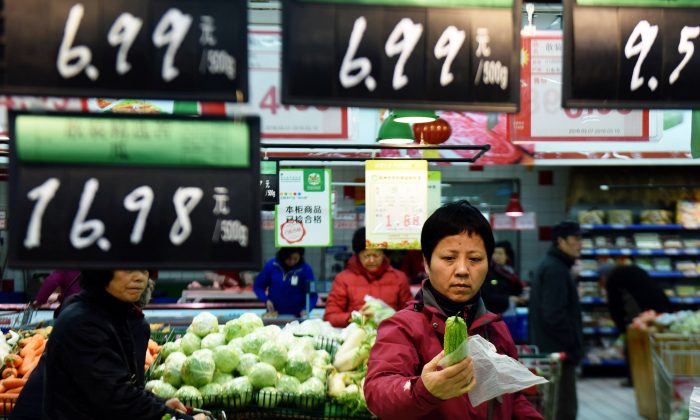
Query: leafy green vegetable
{"x": 252, "y": 342}
{"x": 221, "y": 377}
{"x": 164, "y": 390}
{"x": 238, "y": 392}
{"x": 213, "y": 340}
{"x": 158, "y": 371}
{"x": 172, "y": 368}
{"x": 263, "y": 375}
{"x": 169, "y": 348}
{"x": 204, "y": 324}
{"x": 226, "y": 358}
{"x": 151, "y": 384}
{"x": 190, "y": 343}
{"x": 198, "y": 369}
{"x": 211, "y": 393}
{"x": 268, "y": 397}
{"x": 312, "y": 393}
{"x": 289, "y": 387}
{"x": 190, "y": 396}
{"x": 298, "y": 366}
{"x": 273, "y": 353}
{"x": 246, "y": 363}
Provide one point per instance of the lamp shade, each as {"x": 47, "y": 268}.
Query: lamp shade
{"x": 435, "y": 132}
{"x": 514, "y": 209}
{"x": 392, "y": 132}
{"x": 414, "y": 116}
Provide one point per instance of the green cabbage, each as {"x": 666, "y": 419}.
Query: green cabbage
{"x": 234, "y": 329}
{"x": 226, "y": 358}
{"x": 298, "y": 366}
{"x": 211, "y": 393}
{"x": 198, "y": 369}
{"x": 204, "y": 353}
{"x": 169, "y": 348}
{"x": 289, "y": 387}
{"x": 151, "y": 384}
{"x": 189, "y": 396}
{"x": 204, "y": 324}
{"x": 286, "y": 339}
{"x": 246, "y": 363}
{"x": 172, "y": 368}
{"x": 213, "y": 340}
{"x": 221, "y": 377}
{"x": 164, "y": 390}
{"x": 268, "y": 397}
{"x": 273, "y": 353}
{"x": 312, "y": 393}
{"x": 271, "y": 331}
{"x": 158, "y": 371}
{"x": 190, "y": 343}
{"x": 237, "y": 343}
{"x": 319, "y": 373}
{"x": 253, "y": 341}
{"x": 251, "y": 321}
{"x": 321, "y": 358}
{"x": 238, "y": 392}
{"x": 263, "y": 375}
{"x": 176, "y": 357}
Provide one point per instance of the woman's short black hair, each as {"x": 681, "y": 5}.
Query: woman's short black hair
{"x": 285, "y": 253}
{"x": 95, "y": 279}
{"x": 508, "y": 248}
{"x": 359, "y": 242}
{"x": 452, "y": 219}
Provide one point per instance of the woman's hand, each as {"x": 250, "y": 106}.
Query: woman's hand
{"x": 270, "y": 306}
{"x": 451, "y": 381}
{"x": 367, "y": 311}
{"x": 176, "y": 405}
{"x": 200, "y": 416}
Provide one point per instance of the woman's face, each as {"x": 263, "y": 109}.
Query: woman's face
{"x": 292, "y": 260}
{"x": 458, "y": 266}
{"x": 499, "y": 256}
{"x": 371, "y": 259}
{"x": 128, "y": 286}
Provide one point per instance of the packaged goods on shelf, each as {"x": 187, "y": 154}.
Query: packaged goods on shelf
{"x": 586, "y": 243}
{"x": 647, "y": 240}
{"x": 686, "y": 266}
{"x": 591, "y": 217}
{"x": 589, "y": 265}
{"x": 688, "y": 214}
{"x": 645, "y": 263}
{"x": 691, "y": 242}
{"x": 620, "y": 217}
{"x": 663, "y": 264}
{"x": 655, "y": 217}
{"x": 602, "y": 242}
{"x": 623, "y": 242}
{"x": 672, "y": 242}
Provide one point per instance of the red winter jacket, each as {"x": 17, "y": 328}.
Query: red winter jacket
{"x": 410, "y": 339}
{"x": 352, "y": 284}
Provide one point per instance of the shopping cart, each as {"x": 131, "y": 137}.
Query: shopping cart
{"x": 676, "y": 366}
{"x": 548, "y": 365}
{"x": 17, "y": 319}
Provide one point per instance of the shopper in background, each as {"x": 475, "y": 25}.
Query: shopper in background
{"x": 368, "y": 273}
{"x": 93, "y": 364}
{"x": 555, "y": 312}
{"x": 284, "y": 282}
{"x": 403, "y": 380}
{"x": 502, "y": 286}
{"x": 65, "y": 280}
{"x": 412, "y": 265}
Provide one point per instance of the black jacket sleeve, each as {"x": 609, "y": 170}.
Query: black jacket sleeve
{"x": 555, "y": 309}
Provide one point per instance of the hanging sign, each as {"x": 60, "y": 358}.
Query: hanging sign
{"x": 396, "y": 194}
{"x": 303, "y": 216}
{"x": 113, "y": 191}
{"x": 434, "y": 190}
{"x": 269, "y": 184}
{"x": 541, "y": 117}
{"x": 127, "y": 49}
{"x": 432, "y": 54}
{"x": 501, "y": 221}
{"x": 631, "y": 54}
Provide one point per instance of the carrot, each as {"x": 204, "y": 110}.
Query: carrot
{"x": 9, "y": 372}
{"x": 27, "y": 368}
{"x": 149, "y": 358}
{"x": 7, "y": 403}
{"x": 12, "y": 382}
{"x": 15, "y": 390}
{"x": 153, "y": 346}
{"x": 13, "y": 360}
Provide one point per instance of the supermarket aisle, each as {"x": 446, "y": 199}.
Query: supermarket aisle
{"x": 605, "y": 399}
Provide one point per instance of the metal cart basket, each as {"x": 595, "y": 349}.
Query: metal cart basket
{"x": 548, "y": 365}
{"x": 676, "y": 366}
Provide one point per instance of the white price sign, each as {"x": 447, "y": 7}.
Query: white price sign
{"x": 303, "y": 216}
{"x": 543, "y": 119}
{"x": 396, "y": 203}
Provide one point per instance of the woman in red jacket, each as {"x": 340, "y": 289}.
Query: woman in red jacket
{"x": 368, "y": 273}
{"x": 403, "y": 380}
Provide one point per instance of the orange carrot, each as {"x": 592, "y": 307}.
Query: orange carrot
{"x": 9, "y": 372}
{"x": 153, "y": 346}
{"x": 27, "y": 368}
{"x": 12, "y": 382}
{"x": 13, "y": 360}
{"x": 15, "y": 390}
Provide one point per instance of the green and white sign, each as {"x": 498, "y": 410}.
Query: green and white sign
{"x": 434, "y": 191}
{"x": 303, "y": 216}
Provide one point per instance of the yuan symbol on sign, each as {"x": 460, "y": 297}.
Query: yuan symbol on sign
{"x": 220, "y": 201}
{"x": 206, "y": 24}
{"x": 490, "y": 72}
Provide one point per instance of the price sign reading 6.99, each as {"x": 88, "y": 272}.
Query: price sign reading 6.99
{"x": 126, "y": 48}
{"x": 620, "y": 54}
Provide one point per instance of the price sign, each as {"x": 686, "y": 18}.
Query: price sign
{"x": 542, "y": 118}
{"x": 436, "y": 54}
{"x": 127, "y": 49}
{"x": 396, "y": 194}
{"x": 631, "y": 53}
{"x": 269, "y": 184}
{"x": 303, "y": 216}
{"x": 134, "y": 192}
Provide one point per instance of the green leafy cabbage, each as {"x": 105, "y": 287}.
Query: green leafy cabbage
{"x": 213, "y": 340}
{"x": 190, "y": 343}
{"x": 189, "y": 396}
{"x": 198, "y": 369}
{"x": 263, "y": 375}
{"x": 226, "y": 358}
{"x": 204, "y": 324}
{"x": 273, "y": 353}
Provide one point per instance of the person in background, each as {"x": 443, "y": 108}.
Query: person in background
{"x": 403, "y": 378}
{"x": 554, "y": 315}
{"x": 68, "y": 281}
{"x": 630, "y": 291}
{"x": 93, "y": 364}
{"x": 502, "y": 286}
{"x": 284, "y": 282}
{"x": 412, "y": 265}
{"x": 368, "y": 273}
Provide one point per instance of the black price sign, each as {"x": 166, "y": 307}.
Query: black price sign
{"x": 170, "y": 49}
{"x": 617, "y": 56}
{"x": 349, "y": 53}
{"x": 269, "y": 184}
{"x": 153, "y": 206}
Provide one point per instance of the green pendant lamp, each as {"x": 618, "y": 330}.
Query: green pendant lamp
{"x": 414, "y": 116}
{"x": 392, "y": 132}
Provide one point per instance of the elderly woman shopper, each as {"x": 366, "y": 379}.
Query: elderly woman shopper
{"x": 403, "y": 378}
{"x": 93, "y": 364}
{"x": 368, "y": 273}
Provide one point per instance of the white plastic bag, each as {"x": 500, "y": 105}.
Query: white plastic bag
{"x": 459, "y": 354}
{"x": 694, "y": 405}
{"x": 496, "y": 374}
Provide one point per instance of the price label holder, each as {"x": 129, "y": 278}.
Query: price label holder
{"x": 432, "y": 54}
{"x": 631, "y": 54}
{"x": 157, "y": 49}
{"x": 119, "y": 191}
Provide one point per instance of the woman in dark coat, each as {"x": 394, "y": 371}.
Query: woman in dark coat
{"x": 93, "y": 364}
{"x": 502, "y": 285}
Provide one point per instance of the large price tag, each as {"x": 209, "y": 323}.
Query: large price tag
{"x": 134, "y": 192}
{"x": 541, "y": 117}
{"x": 127, "y": 49}
{"x": 457, "y": 55}
{"x": 631, "y": 53}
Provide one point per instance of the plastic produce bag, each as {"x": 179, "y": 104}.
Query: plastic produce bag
{"x": 456, "y": 356}
{"x": 496, "y": 374}
{"x": 694, "y": 406}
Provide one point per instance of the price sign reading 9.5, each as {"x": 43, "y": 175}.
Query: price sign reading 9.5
{"x": 453, "y": 58}
{"x": 121, "y": 48}
{"x": 635, "y": 57}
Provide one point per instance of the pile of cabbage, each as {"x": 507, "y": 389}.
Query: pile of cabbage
{"x": 239, "y": 363}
